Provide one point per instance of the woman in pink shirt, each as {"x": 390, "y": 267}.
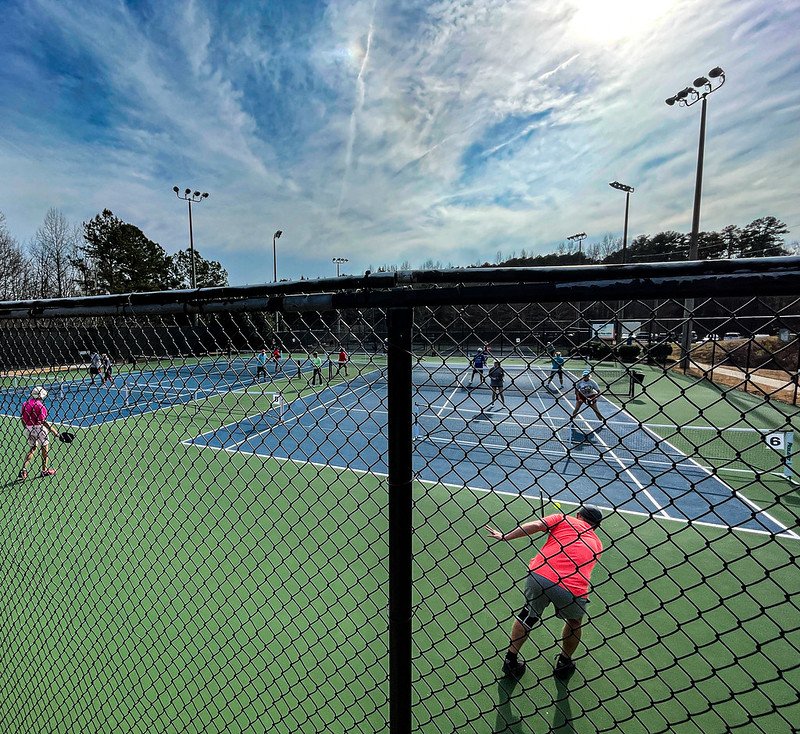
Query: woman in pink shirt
{"x": 38, "y": 430}
{"x": 558, "y": 574}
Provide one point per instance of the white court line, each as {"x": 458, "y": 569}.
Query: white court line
{"x": 436, "y": 483}
{"x": 447, "y": 401}
{"x": 546, "y": 415}
{"x": 638, "y": 484}
{"x": 621, "y": 464}
{"x": 708, "y": 472}
{"x": 293, "y": 419}
{"x": 659, "y": 508}
{"x": 715, "y": 476}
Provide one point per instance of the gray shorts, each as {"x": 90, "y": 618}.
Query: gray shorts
{"x": 539, "y": 592}
{"x": 38, "y": 436}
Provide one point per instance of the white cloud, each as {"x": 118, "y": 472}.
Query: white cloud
{"x": 416, "y": 123}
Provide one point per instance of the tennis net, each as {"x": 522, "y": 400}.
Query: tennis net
{"x": 127, "y": 395}
{"x": 626, "y": 442}
{"x": 525, "y": 380}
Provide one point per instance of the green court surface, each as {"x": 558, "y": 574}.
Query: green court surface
{"x": 153, "y": 586}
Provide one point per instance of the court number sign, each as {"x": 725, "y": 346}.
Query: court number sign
{"x": 776, "y": 441}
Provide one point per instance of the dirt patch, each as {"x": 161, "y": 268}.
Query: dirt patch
{"x": 786, "y": 395}
{"x": 764, "y": 353}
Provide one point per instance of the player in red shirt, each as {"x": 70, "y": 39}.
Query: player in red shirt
{"x": 342, "y": 361}
{"x": 34, "y": 419}
{"x": 558, "y": 574}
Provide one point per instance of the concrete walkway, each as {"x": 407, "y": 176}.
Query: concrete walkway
{"x": 753, "y": 377}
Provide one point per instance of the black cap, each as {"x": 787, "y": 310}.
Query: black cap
{"x": 591, "y": 514}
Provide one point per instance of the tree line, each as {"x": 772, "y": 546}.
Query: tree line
{"x": 763, "y": 237}
{"x": 103, "y": 255}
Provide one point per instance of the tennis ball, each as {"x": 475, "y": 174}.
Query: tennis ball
{"x": 557, "y": 504}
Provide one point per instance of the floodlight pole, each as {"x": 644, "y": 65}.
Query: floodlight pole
{"x": 191, "y": 197}
{"x": 275, "y": 237}
{"x": 628, "y": 191}
{"x": 580, "y": 236}
{"x": 686, "y": 98}
{"x": 694, "y": 246}
{"x": 339, "y": 261}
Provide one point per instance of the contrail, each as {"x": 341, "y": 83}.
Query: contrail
{"x": 361, "y": 90}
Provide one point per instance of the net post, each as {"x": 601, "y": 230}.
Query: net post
{"x": 788, "y": 467}
{"x": 399, "y": 405}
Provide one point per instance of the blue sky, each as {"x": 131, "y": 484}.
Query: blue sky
{"x": 394, "y": 131}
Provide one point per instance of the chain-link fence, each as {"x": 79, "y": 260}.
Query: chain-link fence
{"x": 378, "y": 504}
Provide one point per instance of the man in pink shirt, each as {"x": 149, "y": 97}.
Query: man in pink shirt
{"x": 558, "y": 574}
{"x": 34, "y": 419}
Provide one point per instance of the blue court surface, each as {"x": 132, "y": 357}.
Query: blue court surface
{"x": 528, "y": 447}
{"x": 80, "y": 403}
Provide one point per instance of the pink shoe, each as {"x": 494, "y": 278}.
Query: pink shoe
{"x": 23, "y": 474}
{"x": 48, "y": 472}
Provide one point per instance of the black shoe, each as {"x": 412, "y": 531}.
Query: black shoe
{"x": 563, "y": 669}
{"x": 513, "y": 670}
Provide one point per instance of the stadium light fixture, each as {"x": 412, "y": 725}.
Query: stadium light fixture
{"x": 190, "y": 198}
{"x": 580, "y": 236}
{"x": 686, "y": 98}
{"x": 338, "y": 261}
{"x": 628, "y": 191}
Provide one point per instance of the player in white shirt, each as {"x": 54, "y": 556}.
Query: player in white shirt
{"x": 587, "y": 392}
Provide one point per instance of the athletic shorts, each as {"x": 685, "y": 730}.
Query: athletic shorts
{"x": 38, "y": 436}
{"x": 94, "y": 370}
{"x": 540, "y": 592}
{"x": 581, "y": 398}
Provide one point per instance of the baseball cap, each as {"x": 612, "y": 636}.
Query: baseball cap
{"x": 591, "y": 514}
{"x": 587, "y": 372}
{"x": 38, "y": 393}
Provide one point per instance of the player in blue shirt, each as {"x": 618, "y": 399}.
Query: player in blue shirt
{"x": 478, "y": 365}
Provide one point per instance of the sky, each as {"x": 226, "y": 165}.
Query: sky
{"x": 392, "y": 131}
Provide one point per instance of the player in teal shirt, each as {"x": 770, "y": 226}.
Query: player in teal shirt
{"x": 556, "y": 369}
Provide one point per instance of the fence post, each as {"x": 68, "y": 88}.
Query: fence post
{"x": 399, "y": 406}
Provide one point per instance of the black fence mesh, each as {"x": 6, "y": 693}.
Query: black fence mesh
{"x": 211, "y": 553}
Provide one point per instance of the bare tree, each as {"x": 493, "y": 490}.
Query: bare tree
{"x": 609, "y": 245}
{"x": 53, "y": 252}
{"x": 14, "y": 266}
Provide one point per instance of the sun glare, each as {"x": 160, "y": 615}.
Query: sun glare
{"x": 613, "y": 20}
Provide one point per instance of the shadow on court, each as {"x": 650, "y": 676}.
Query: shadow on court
{"x": 509, "y": 721}
{"x": 562, "y": 712}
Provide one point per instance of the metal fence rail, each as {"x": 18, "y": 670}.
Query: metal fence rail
{"x": 314, "y": 506}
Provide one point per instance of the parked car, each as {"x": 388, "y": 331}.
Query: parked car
{"x": 731, "y": 335}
